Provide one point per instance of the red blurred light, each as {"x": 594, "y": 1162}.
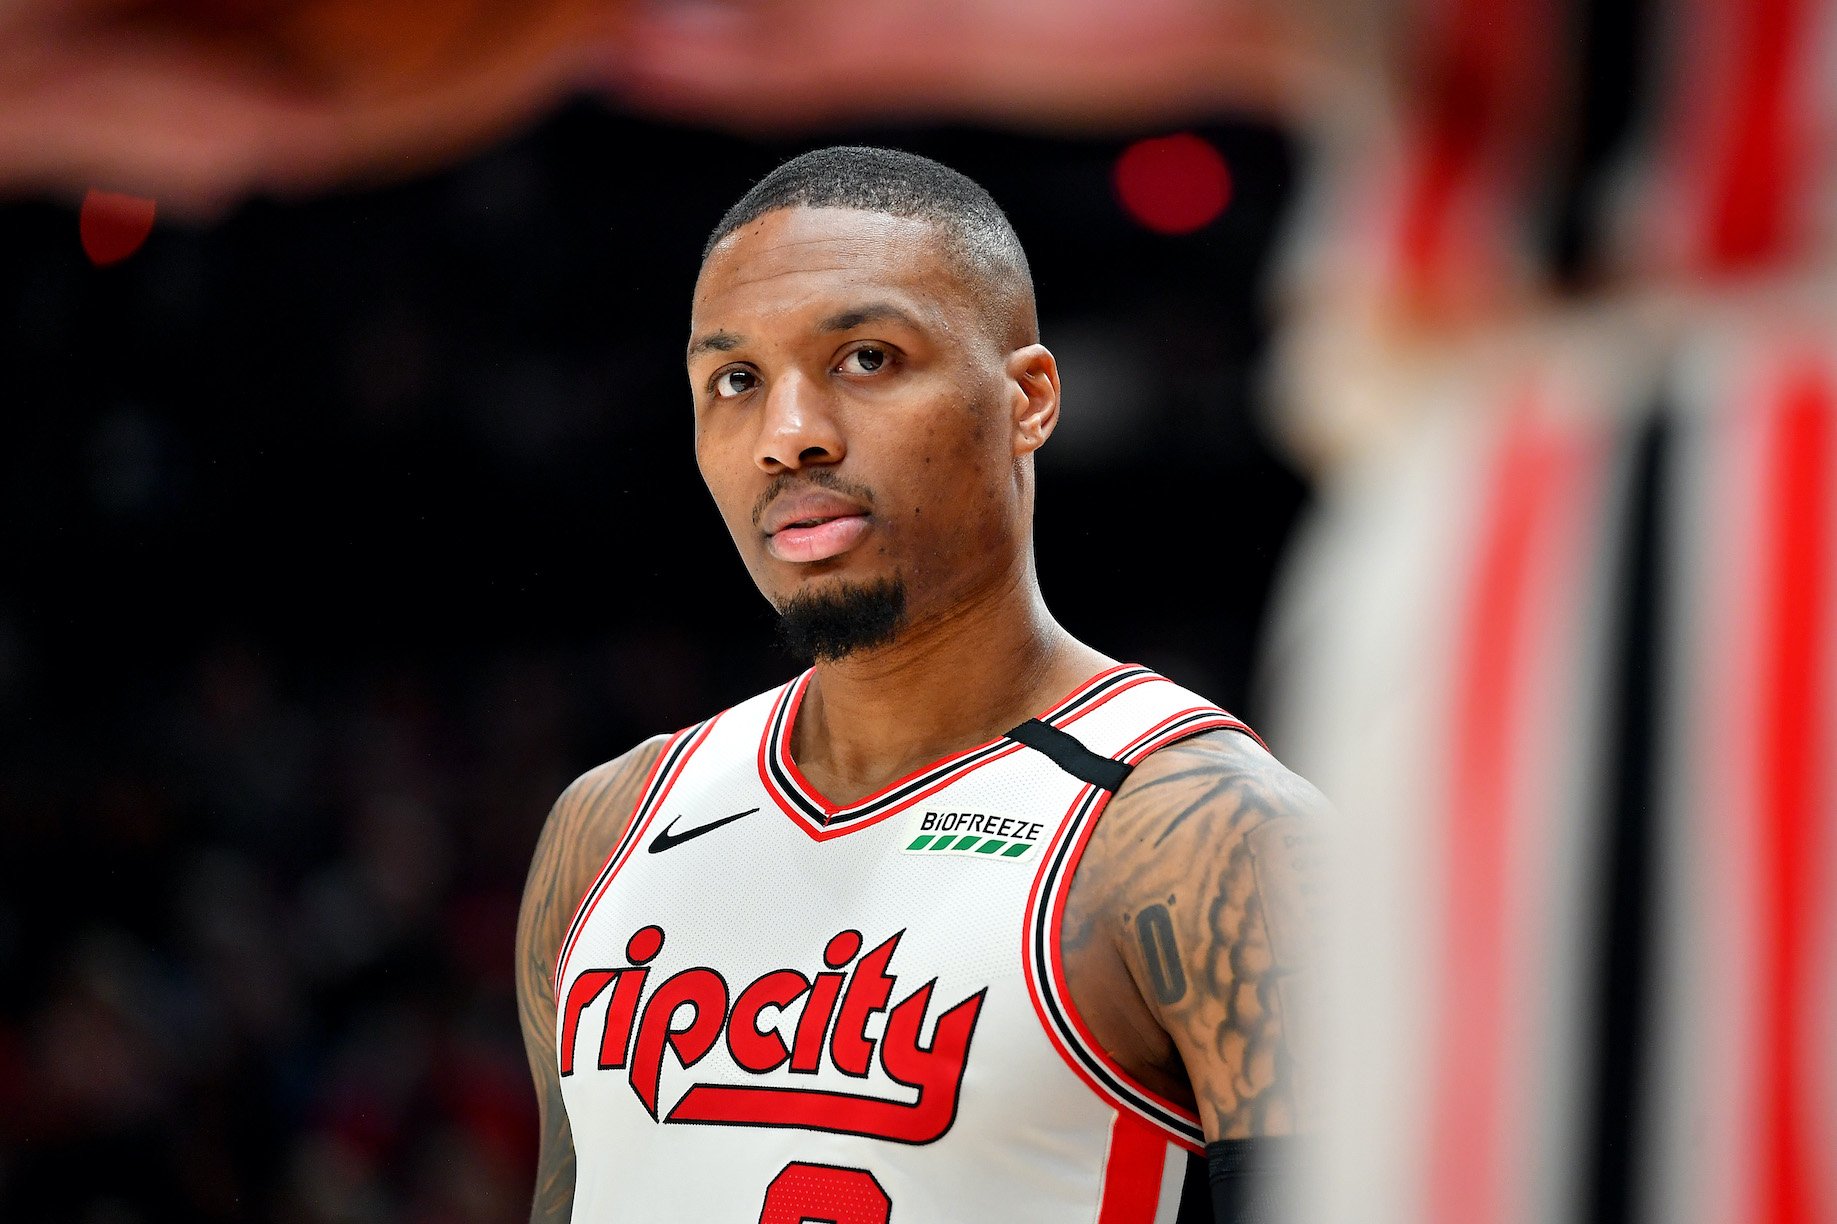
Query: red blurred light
{"x": 113, "y": 226}
{"x": 1173, "y": 184}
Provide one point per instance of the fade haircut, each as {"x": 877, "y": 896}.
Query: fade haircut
{"x": 971, "y": 226}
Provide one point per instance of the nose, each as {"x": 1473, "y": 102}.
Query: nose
{"x": 797, "y": 428}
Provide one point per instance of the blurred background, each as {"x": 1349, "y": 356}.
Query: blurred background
{"x": 1475, "y": 362}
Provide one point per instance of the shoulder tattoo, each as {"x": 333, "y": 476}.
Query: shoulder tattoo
{"x": 1214, "y": 858}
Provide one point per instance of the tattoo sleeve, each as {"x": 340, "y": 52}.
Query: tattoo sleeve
{"x": 581, "y": 829}
{"x": 1212, "y": 878}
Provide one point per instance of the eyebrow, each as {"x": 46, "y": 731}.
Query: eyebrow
{"x": 715, "y": 341}
{"x": 855, "y": 316}
{"x": 874, "y": 312}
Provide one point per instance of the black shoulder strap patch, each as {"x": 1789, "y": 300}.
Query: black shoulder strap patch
{"x": 1064, "y": 750}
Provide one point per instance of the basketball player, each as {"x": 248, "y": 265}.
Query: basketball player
{"x": 861, "y": 948}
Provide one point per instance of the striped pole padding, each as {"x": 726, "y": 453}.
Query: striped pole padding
{"x": 1567, "y": 658}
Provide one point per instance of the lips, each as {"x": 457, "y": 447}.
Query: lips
{"x": 813, "y": 525}
{"x": 818, "y": 542}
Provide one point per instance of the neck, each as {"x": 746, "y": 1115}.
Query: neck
{"x": 949, "y": 683}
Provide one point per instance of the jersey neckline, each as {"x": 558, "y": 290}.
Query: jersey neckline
{"x": 823, "y": 819}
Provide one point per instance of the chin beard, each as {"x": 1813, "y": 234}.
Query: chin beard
{"x": 829, "y": 624}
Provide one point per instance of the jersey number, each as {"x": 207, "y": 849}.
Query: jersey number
{"x": 824, "y": 1194}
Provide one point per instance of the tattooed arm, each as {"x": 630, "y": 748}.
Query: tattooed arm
{"x": 581, "y": 830}
{"x": 1187, "y": 931}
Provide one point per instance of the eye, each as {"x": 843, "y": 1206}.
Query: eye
{"x": 865, "y": 360}
{"x": 730, "y": 383}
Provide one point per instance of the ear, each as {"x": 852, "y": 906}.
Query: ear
{"x": 1033, "y": 396}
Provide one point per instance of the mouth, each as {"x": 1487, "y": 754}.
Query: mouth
{"x": 813, "y": 520}
{"x": 816, "y": 537}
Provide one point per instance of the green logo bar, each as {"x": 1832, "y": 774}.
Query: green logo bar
{"x": 967, "y": 843}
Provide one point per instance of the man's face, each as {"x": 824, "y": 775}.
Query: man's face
{"x": 855, "y": 420}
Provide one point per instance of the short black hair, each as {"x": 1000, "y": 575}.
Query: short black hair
{"x": 977, "y": 234}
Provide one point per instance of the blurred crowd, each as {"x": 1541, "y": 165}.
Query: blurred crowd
{"x": 258, "y": 959}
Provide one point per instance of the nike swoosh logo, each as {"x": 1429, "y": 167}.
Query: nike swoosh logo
{"x": 670, "y": 837}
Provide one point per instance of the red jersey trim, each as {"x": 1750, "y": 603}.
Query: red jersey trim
{"x": 1132, "y": 1170}
{"x": 823, "y": 820}
{"x": 1045, "y": 971}
{"x": 1052, "y": 1003}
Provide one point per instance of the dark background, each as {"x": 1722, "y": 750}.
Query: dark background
{"x": 339, "y": 536}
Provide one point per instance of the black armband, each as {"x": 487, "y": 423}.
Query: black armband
{"x": 1246, "y": 1175}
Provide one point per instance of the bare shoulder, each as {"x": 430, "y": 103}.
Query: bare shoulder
{"x": 1219, "y": 783}
{"x": 592, "y": 811}
{"x": 582, "y": 828}
{"x": 1204, "y": 874}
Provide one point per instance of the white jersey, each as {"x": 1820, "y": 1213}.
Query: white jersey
{"x": 772, "y": 1008}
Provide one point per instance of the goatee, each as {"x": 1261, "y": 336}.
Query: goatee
{"x": 832, "y": 623}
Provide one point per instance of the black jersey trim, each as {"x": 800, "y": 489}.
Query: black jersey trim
{"x": 1056, "y": 1010}
{"x": 664, "y": 771}
{"x": 787, "y": 787}
{"x": 799, "y": 800}
{"x": 1185, "y": 726}
{"x": 1053, "y": 1003}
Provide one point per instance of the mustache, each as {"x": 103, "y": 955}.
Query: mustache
{"x": 787, "y": 482}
